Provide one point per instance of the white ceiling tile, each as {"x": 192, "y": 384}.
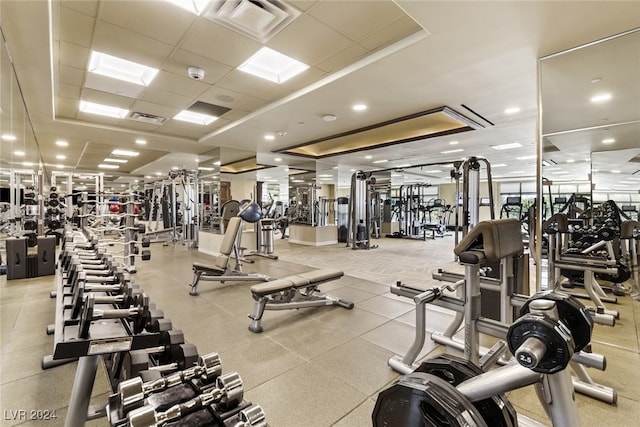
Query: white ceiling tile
{"x": 107, "y": 98}
{"x": 159, "y": 20}
{"x": 303, "y": 4}
{"x": 385, "y": 36}
{"x": 308, "y": 40}
{"x": 129, "y": 45}
{"x": 93, "y": 118}
{"x": 76, "y": 27}
{"x": 356, "y": 19}
{"x": 182, "y": 59}
{"x": 87, "y": 7}
{"x": 167, "y": 99}
{"x": 69, "y": 91}
{"x": 70, "y": 75}
{"x": 219, "y": 96}
{"x": 242, "y": 82}
{"x": 178, "y": 84}
{"x": 342, "y": 58}
{"x": 218, "y": 43}
{"x": 73, "y": 55}
{"x": 176, "y": 127}
{"x": 141, "y": 126}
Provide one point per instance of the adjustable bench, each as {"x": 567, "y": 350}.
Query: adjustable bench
{"x": 220, "y": 270}
{"x": 293, "y": 292}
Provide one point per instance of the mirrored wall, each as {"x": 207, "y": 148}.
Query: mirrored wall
{"x": 590, "y": 126}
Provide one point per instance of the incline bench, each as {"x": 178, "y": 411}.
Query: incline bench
{"x": 220, "y": 270}
{"x": 293, "y": 292}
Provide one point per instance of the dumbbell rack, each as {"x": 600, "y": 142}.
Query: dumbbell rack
{"x": 106, "y": 337}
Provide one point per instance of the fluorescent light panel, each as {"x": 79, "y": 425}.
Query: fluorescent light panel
{"x": 603, "y": 97}
{"x": 127, "y": 153}
{"x": 121, "y": 69}
{"x": 103, "y": 110}
{"x": 457, "y": 150}
{"x": 8, "y": 137}
{"x": 193, "y": 117}
{"x": 273, "y": 66}
{"x": 110, "y": 160}
{"x": 506, "y": 146}
{"x": 107, "y": 166}
{"x": 531, "y": 157}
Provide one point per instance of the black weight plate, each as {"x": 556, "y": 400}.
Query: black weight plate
{"x": 574, "y": 314}
{"x": 497, "y": 411}
{"x": 30, "y": 225}
{"x": 623, "y": 274}
{"x": 32, "y": 240}
{"x": 53, "y": 202}
{"x": 606, "y": 234}
{"x": 420, "y": 399}
{"x": 547, "y": 330}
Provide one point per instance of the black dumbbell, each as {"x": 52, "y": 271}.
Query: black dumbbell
{"x": 128, "y": 296}
{"x": 139, "y": 315}
{"x": 172, "y": 354}
{"x": 133, "y": 391}
{"x": 227, "y": 393}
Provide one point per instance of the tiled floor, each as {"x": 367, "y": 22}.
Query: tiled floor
{"x": 313, "y": 367}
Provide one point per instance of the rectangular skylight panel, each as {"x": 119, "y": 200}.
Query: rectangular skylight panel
{"x": 273, "y": 66}
{"x": 121, "y": 69}
{"x": 103, "y": 110}
{"x": 193, "y": 117}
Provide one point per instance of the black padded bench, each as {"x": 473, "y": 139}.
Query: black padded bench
{"x": 293, "y": 292}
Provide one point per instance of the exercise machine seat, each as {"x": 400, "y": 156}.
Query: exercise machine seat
{"x": 296, "y": 281}
{"x": 491, "y": 241}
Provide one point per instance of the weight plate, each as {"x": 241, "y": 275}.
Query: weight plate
{"x": 30, "y": 225}
{"x": 32, "y": 240}
{"x": 623, "y": 274}
{"x": 554, "y": 334}
{"x": 572, "y": 312}
{"x": 496, "y": 411}
{"x": 420, "y": 399}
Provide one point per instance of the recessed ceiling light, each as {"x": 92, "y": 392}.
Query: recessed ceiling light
{"x": 173, "y": 168}
{"x": 202, "y": 168}
{"x": 194, "y": 6}
{"x": 560, "y": 172}
{"x": 158, "y": 173}
{"x": 352, "y": 170}
{"x": 359, "y": 107}
{"x": 532, "y": 156}
{"x": 499, "y": 165}
{"x": 19, "y": 153}
{"x": 127, "y": 153}
{"x": 278, "y": 159}
{"x": 517, "y": 172}
{"x": 107, "y": 166}
{"x": 595, "y": 80}
{"x": 269, "y": 137}
{"x": 453, "y": 142}
{"x": 432, "y": 171}
{"x": 571, "y": 161}
{"x": 110, "y": 160}
{"x": 273, "y": 66}
{"x": 121, "y": 69}
{"x": 217, "y": 163}
{"x": 368, "y": 157}
{"x": 603, "y": 97}
{"x": 193, "y": 117}
{"x": 608, "y": 141}
{"x": 27, "y": 164}
{"x": 103, "y": 110}
{"x": 62, "y": 143}
{"x": 60, "y": 156}
{"x": 457, "y": 150}
{"x": 512, "y": 110}
{"x": 329, "y": 117}
{"x": 8, "y": 137}
{"x": 506, "y": 146}
{"x": 381, "y": 161}
{"x": 60, "y": 166}
{"x": 615, "y": 171}
{"x": 141, "y": 142}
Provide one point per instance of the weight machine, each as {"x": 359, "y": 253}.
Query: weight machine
{"x": 364, "y": 220}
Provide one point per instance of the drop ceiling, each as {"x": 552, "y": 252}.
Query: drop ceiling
{"x": 398, "y": 57}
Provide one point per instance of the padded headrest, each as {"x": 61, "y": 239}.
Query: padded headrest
{"x": 497, "y": 239}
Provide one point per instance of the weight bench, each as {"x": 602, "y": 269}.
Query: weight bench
{"x": 220, "y": 270}
{"x": 293, "y": 292}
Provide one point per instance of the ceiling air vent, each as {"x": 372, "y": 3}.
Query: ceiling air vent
{"x": 146, "y": 118}
{"x": 258, "y": 19}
